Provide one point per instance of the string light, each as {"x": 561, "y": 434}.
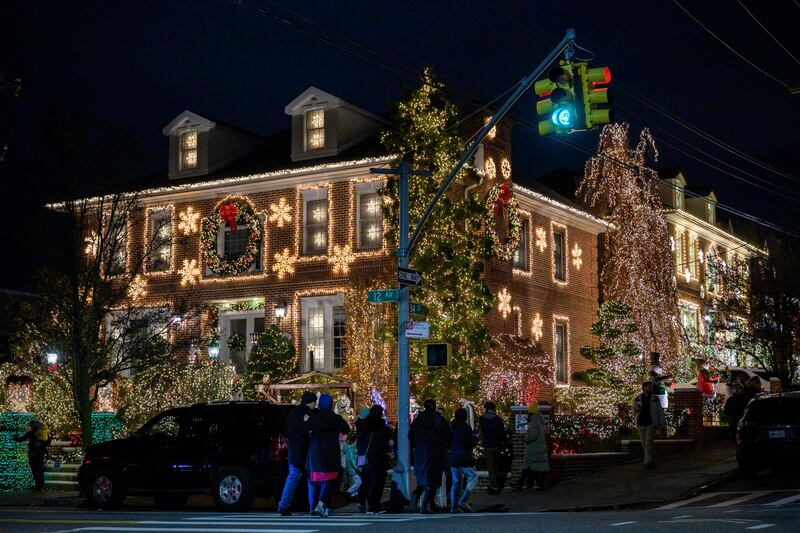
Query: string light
{"x": 490, "y": 168}
{"x": 284, "y": 263}
{"x": 190, "y": 272}
{"x": 504, "y": 302}
{"x": 280, "y": 213}
{"x": 492, "y": 132}
{"x": 189, "y": 221}
{"x": 505, "y": 168}
{"x": 137, "y": 289}
{"x": 537, "y": 327}
{"x": 576, "y": 256}
{"x": 92, "y": 244}
{"x": 541, "y": 238}
{"x": 513, "y": 370}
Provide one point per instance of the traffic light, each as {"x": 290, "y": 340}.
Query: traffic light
{"x": 437, "y": 354}
{"x": 593, "y": 96}
{"x": 558, "y": 110}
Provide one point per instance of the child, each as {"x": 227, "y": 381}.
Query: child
{"x": 353, "y": 471}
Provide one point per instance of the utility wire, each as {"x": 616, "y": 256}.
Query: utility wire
{"x": 768, "y": 32}
{"x": 729, "y": 47}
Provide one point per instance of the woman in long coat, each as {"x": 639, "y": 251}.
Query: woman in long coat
{"x": 535, "y": 465}
{"x": 324, "y": 460}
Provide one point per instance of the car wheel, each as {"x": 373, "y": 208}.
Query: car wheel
{"x": 232, "y": 488}
{"x": 105, "y": 488}
{"x": 171, "y": 501}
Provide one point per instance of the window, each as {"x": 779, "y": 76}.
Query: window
{"x": 338, "y": 337}
{"x": 247, "y": 324}
{"x": 316, "y": 337}
{"x": 521, "y": 253}
{"x": 232, "y": 244}
{"x": 323, "y": 333}
{"x": 679, "y": 252}
{"x": 166, "y": 428}
{"x": 560, "y": 343}
{"x": 370, "y": 221}
{"x": 315, "y": 240}
{"x": 188, "y": 150}
{"x": 160, "y": 240}
{"x": 689, "y": 321}
{"x": 315, "y": 129}
{"x": 559, "y": 257}
{"x": 678, "y": 196}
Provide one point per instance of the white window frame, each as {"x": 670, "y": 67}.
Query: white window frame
{"x": 679, "y": 195}
{"x": 225, "y": 326}
{"x": 564, "y": 247}
{"x": 306, "y": 129}
{"x": 311, "y": 195}
{"x": 181, "y": 149}
{"x": 155, "y": 217}
{"x": 327, "y": 303}
{"x": 255, "y": 267}
{"x": 371, "y": 187}
{"x": 563, "y": 321}
{"x": 524, "y": 237}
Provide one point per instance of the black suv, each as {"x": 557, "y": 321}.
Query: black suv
{"x": 231, "y": 450}
{"x": 769, "y": 432}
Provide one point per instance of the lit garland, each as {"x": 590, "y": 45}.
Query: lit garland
{"x": 504, "y": 302}
{"x": 637, "y": 267}
{"x": 341, "y": 258}
{"x": 246, "y": 216}
{"x": 190, "y": 272}
{"x": 189, "y": 221}
{"x": 284, "y": 263}
{"x": 541, "y": 238}
{"x": 577, "y": 261}
{"x": 513, "y": 370}
{"x": 280, "y": 213}
{"x": 504, "y": 248}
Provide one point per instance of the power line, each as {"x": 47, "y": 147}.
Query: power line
{"x": 768, "y": 32}
{"x": 729, "y": 47}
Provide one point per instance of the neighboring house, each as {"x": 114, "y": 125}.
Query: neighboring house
{"x": 318, "y": 206}
{"x": 9, "y": 303}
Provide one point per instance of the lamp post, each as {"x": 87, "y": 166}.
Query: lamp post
{"x": 52, "y": 362}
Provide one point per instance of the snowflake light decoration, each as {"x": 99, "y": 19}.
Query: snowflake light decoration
{"x": 318, "y": 214}
{"x": 341, "y": 258}
{"x": 490, "y": 168}
{"x": 374, "y": 232}
{"x": 504, "y": 302}
{"x": 493, "y": 131}
{"x": 319, "y": 239}
{"x": 137, "y": 289}
{"x": 92, "y": 244}
{"x": 284, "y": 263}
{"x": 190, "y": 272}
{"x": 505, "y": 169}
{"x": 189, "y": 221}
{"x": 537, "y": 327}
{"x": 541, "y": 238}
{"x": 577, "y": 261}
{"x": 280, "y": 213}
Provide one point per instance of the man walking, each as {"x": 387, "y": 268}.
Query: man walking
{"x": 38, "y": 440}
{"x": 494, "y": 437}
{"x": 649, "y": 417}
{"x": 430, "y": 437}
{"x": 297, "y": 431}
{"x": 462, "y": 462}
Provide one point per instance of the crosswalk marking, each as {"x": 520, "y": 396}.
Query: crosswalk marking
{"x": 737, "y": 498}
{"x": 199, "y": 530}
{"x": 784, "y": 501}
{"x": 741, "y": 499}
{"x": 311, "y": 521}
{"x": 686, "y": 502}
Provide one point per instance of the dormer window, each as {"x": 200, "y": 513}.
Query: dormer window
{"x": 188, "y": 150}
{"x": 315, "y": 129}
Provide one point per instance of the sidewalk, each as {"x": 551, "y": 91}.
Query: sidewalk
{"x": 52, "y": 498}
{"x": 677, "y": 475}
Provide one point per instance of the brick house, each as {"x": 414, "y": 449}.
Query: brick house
{"x": 319, "y": 208}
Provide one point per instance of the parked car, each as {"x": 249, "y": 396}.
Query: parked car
{"x": 730, "y": 375}
{"x": 231, "y": 450}
{"x": 769, "y": 432}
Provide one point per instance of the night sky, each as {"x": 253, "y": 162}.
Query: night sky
{"x": 123, "y": 70}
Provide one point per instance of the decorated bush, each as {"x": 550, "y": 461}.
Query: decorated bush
{"x": 513, "y": 370}
{"x": 272, "y": 356}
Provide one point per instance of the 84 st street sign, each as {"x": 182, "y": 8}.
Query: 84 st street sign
{"x": 409, "y": 276}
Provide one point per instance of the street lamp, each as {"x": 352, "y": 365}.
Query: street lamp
{"x": 52, "y": 358}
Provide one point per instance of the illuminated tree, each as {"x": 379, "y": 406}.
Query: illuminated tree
{"x": 617, "y": 357}
{"x": 272, "y": 355}
{"x": 513, "y": 370}
{"x": 452, "y": 249}
{"x": 636, "y": 254}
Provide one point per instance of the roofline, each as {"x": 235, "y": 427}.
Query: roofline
{"x": 698, "y": 224}
{"x": 593, "y": 222}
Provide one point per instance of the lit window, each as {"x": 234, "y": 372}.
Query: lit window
{"x": 693, "y": 253}
{"x": 316, "y": 230}
{"x": 560, "y": 343}
{"x": 234, "y": 244}
{"x": 679, "y": 252}
{"x": 521, "y": 253}
{"x": 370, "y": 221}
{"x": 689, "y": 321}
{"x": 316, "y": 337}
{"x": 188, "y": 150}
{"x": 324, "y": 330}
{"x": 559, "y": 257}
{"x": 339, "y": 331}
{"x": 315, "y": 129}
{"x": 117, "y": 239}
{"x": 160, "y": 240}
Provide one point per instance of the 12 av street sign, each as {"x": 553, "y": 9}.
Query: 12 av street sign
{"x": 379, "y": 296}
{"x": 409, "y": 276}
{"x": 418, "y": 330}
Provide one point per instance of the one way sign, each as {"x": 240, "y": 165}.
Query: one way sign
{"x": 409, "y": 276}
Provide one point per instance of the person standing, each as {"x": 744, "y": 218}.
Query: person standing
{"x": 38, "y": 438}
{"x": 379, "y": 443}
{"x": 535, "y": 464}
{"x": 297, "y": 435}
{"x": 324, "y": 460}
{"x": 494, "y": 437}
{"x": 649, "y": 417}
{"x": 430, "y": 437}
{"x": 462, "y": 462}
{"x": 734, "y": 408}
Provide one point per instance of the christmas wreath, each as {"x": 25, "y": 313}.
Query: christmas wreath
{"x": 501, "y": 205}
{"x": 233, "y": 211}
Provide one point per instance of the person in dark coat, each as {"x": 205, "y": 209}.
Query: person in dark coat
{"x": 297, "y": 436}
{"x": 495, "y": 440}
{"x": 734, "y": 408}
{"x": 430, "y": 438}
{"x": 376, "y": 452}
{"x": 324, "y": 460}
{"x": 462, "y": 462}
{"x": 38, "y": 438}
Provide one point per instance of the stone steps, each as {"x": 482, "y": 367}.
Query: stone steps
{"x": 65, "y": 477}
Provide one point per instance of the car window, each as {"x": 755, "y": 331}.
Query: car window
{"x": 246, "y": 425}
{"x": 774, "y": 411}
{"x": 167, "y": 427}
{"x": 203, "y": 427}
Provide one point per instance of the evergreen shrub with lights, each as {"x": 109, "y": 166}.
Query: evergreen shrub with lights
{"x": 272, "y": 355}
{"x": 513, "y": 371}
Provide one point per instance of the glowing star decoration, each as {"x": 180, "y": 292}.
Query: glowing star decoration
{"x": 505, "y": 169}
{"x": 284, "y": 263}
{"x": 537, "y": 327}
{"x": 280, "y": 213}
{"x": 190, "y": 272}
{"x": 137, "y": 289}
{"x": 92, "y": 244}
{"x": 341, "y": 258}
{"x": 490, "y": 168}
{"x": 504, "y": 302}
{"x": 577, "y": 261}
{"x": 189, "y": 221}
{"x": 541, "y": 239}
{"x": 492, "y": 132}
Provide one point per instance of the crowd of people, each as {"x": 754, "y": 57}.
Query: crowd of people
{"x": 443, "y": 455}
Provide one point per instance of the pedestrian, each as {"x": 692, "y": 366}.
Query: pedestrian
{"x": 351, "y": 465}
{"x": 752, "y": 387}
{"x": 430, "y": 437}
{"x": 734, "y": 409}
{"x": 38, "y": 438}
{"x": 324, "y": 462}
{"x": 535, "y": 464}
{"x": 495, "y": 440}
{"x": 376, "y": 464}
{"x": 445, "y": 487}
{"x": 297, "y": 437}
{"x": 649, "y": 417}
{"x": 462, "y": 462}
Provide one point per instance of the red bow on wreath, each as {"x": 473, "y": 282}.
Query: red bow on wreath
{"x": 228, "y": 212}
{"x": 504, "y": 196}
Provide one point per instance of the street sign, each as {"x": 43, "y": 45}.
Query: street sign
{"x": 418, "y": 330}
{"x": 379, "y": 296}
{"x": 409, "y": 276}
{"x": 417, "y": 309}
